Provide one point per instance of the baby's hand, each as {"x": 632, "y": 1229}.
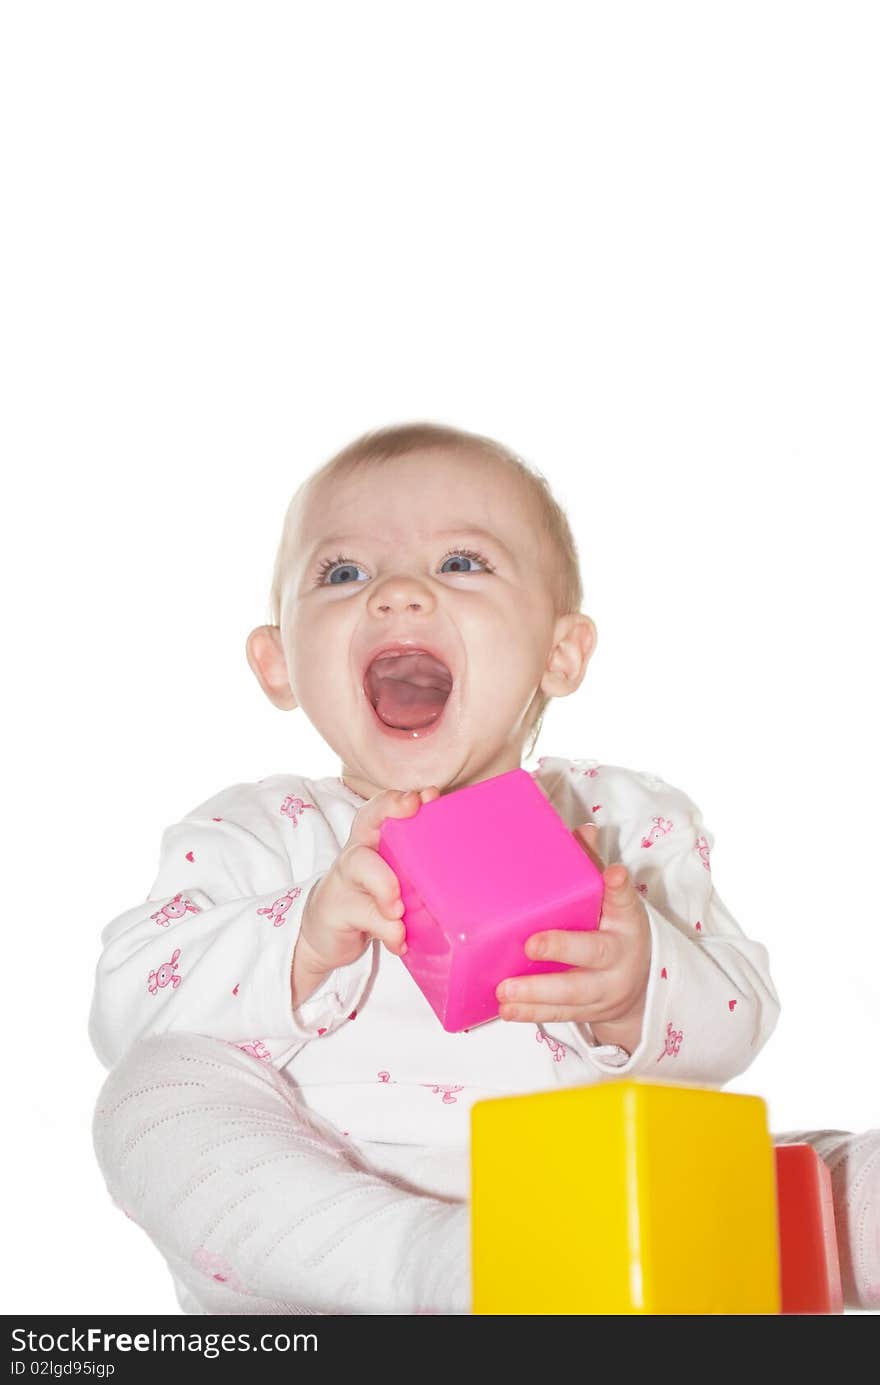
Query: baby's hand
{"x": 357, "y": 900}
{"x": 610, "y": 965}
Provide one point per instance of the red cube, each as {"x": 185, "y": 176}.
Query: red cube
{"x": 807, "y": 1235}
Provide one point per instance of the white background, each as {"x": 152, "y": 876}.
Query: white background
{"x": 636, "y": 242}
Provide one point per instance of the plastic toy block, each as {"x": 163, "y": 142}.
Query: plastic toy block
{"x": 627, "y": 1197}
{"x": 807, "y": 1234}
{"x": 480, "y": 870}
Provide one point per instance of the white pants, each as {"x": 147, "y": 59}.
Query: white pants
{"x": 260, "y": 1206}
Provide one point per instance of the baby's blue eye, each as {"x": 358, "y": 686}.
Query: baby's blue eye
{"x": 459, "y": 559}
{"x": 341, "y": 572}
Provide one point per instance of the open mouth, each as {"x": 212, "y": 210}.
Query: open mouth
{"x": 408, "y": 690}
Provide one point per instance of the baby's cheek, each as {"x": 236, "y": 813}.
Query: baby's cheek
{"x": 502, "y": 679}
{"x": 323, "y": 679}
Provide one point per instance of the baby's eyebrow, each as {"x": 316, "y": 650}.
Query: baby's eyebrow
{"x": 460, "y": 531}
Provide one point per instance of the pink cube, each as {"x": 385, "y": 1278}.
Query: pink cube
{"x": 482, "y": 869}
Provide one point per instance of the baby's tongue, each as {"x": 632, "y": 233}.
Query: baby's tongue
{"x": 408, "y": 691}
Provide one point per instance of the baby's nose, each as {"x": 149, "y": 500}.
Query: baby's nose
{"x": 410, "y": 606}
{"x": 401, "y": 592}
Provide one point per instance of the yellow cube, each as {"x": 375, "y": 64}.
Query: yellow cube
{"x": 630, "y": 1196}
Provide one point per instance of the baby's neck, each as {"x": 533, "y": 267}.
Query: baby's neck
{"x": 361, "y": 786}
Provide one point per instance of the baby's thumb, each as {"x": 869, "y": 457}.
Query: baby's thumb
{"x": 621, "y": 895}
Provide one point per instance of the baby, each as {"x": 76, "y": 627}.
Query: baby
{"x": 285, "y": 1117}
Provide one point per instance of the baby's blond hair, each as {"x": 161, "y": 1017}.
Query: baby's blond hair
{"x": 401, "y": 440}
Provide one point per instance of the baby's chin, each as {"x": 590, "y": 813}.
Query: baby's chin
{"x": 398, "y": 763}
{"x": 448, "y": 760}
{"x": 394, "y": 757}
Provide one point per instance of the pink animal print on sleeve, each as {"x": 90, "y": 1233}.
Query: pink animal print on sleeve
{"x": 166, "y": 975}
{"x": 703, "y": 848}
{"x": 660, "y": 828}
{"x": 672, "y": 1044}
{"x": 257, "y": 1049}
{"x": 586, "y": 768}
{"x": 556, "y": 1048}
{"x": 294, "y": 808}
{"x": 175, "y": 909}
{"x": 279, "y": 907}
{"x": 447, "y": 1088}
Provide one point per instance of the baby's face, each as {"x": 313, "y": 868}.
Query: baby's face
{"x": 440, "y": 552}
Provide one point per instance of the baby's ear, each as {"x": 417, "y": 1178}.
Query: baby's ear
{"x": 265, "y": 654}
{"x": 574, "y": 639}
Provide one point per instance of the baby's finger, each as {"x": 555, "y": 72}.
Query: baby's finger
{"x": 360, "y": 912}
{"x": 390, "y": 803}
{"x": 587, "y": 836}
{"x": 351, "y": 908}
{"x": 556, "y": 988}
{"x": 621, "y": 901}
{"x": 364, "y": 869}
{"x": 388, "y": 931}
{"x": 547, "y": 1014}
{"x": 597, "y": 948}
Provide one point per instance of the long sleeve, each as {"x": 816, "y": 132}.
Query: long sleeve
{"x": 211, "y": 948}
{"x": 710, "y": 1002}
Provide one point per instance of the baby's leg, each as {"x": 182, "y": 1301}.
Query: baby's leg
{"x": 258, "y": 1205}
{"x": 854, "y": 1163}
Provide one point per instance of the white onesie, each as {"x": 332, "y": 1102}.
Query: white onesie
{"x": 210, "y": 953}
